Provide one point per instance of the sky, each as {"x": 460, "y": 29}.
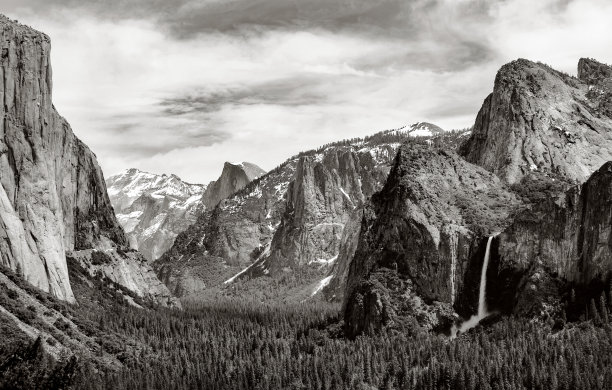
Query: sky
{"x": 180, "y": 86}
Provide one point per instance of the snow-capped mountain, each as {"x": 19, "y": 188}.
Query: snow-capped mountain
{"x": 153, "y": 209}
{"x": 418, "y": 129}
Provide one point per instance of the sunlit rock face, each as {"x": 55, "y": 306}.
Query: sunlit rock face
{"x": 52, "y": 196}
{"x": 325, "y": 190}
{"x": 540, "y": 120}
{"x": 419, "y": 237}
{"x": 153, "y": 209}
{"x": 52, "y": 193}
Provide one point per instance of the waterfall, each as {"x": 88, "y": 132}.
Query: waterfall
{"x": 482, "y": 297}
{"x": 452, "y": 242}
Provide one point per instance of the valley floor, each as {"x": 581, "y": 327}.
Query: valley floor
{"x": 244, "y": 345}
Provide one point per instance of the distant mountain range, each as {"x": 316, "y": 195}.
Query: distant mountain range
{"x": 153, "y": 209}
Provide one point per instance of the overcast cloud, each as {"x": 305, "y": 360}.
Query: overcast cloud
{"x": 180, "y": 86}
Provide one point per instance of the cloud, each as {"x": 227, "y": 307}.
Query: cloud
{"x": 179, "y": 86}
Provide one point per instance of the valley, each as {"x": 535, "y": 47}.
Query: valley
{"x": 411, "y": 258}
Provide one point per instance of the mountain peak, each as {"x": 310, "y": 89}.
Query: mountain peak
{"x": 234, "y": 177}
{"x": 534, "y": 121}
{"x": 592, "y": 71}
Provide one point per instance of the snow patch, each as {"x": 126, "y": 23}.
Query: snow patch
{"x": 324, "y": 261}
{"x": 322, "y": 284}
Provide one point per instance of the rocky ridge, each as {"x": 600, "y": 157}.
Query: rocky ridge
{"x": 418, "y": 237}
{"x": 539, "y": 120}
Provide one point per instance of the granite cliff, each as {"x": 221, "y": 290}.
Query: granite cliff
{"x": 53, "y": 197}
{"x": 234, "y": 177}
{"x": 419, "y": 237}
{"x": 539, "y": 120}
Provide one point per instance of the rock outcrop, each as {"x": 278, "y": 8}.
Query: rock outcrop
{"x": 234, "y": 177}
{"x": 566, "y": 241}
{"x": 540, "y": 120}
{"x": 419, "y": 237}
{"x": 153, "y": 209}
{"x": 228, "y": 237}
{"x": 128, "y": 269}
{"x": 52, "y": 193}
{"x": 421, "y": 246}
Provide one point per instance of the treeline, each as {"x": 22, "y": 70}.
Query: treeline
{"x": 246, "y": 346}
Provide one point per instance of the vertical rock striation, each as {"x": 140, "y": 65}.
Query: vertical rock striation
{"x": 234, "y": 177}
{"x": 52, "y": 192}
{"x": 53, "y": 198}
{"x": 325, "y": 190}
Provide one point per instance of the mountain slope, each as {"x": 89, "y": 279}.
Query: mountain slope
{"x": 418, "y": 238}
{"x": 153, "y": 209}
{"x": 53, "y": 197}
{"x": 289, "y": 218}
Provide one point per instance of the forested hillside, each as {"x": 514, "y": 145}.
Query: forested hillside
{"x": 245, "y": 345}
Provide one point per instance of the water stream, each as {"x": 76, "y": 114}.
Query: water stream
{"x": 482, "y": 297}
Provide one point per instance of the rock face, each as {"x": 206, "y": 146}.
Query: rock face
{"x": 153, "y": 209}
{"x": 540, "y": 120}
{"x": 234, "y": 177}
{"x": 53, "y": 196}
{"x": 540, "y": 125}
{"x": 127, "y": 268}
{"x": 292, "y": 217}
{"x": 556, "y": 242}
{"x": 52, "y": 193}
{"x": 325, "y": 189}
{"x": 419, "y": 237}
{"x": 421, "y": 245}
